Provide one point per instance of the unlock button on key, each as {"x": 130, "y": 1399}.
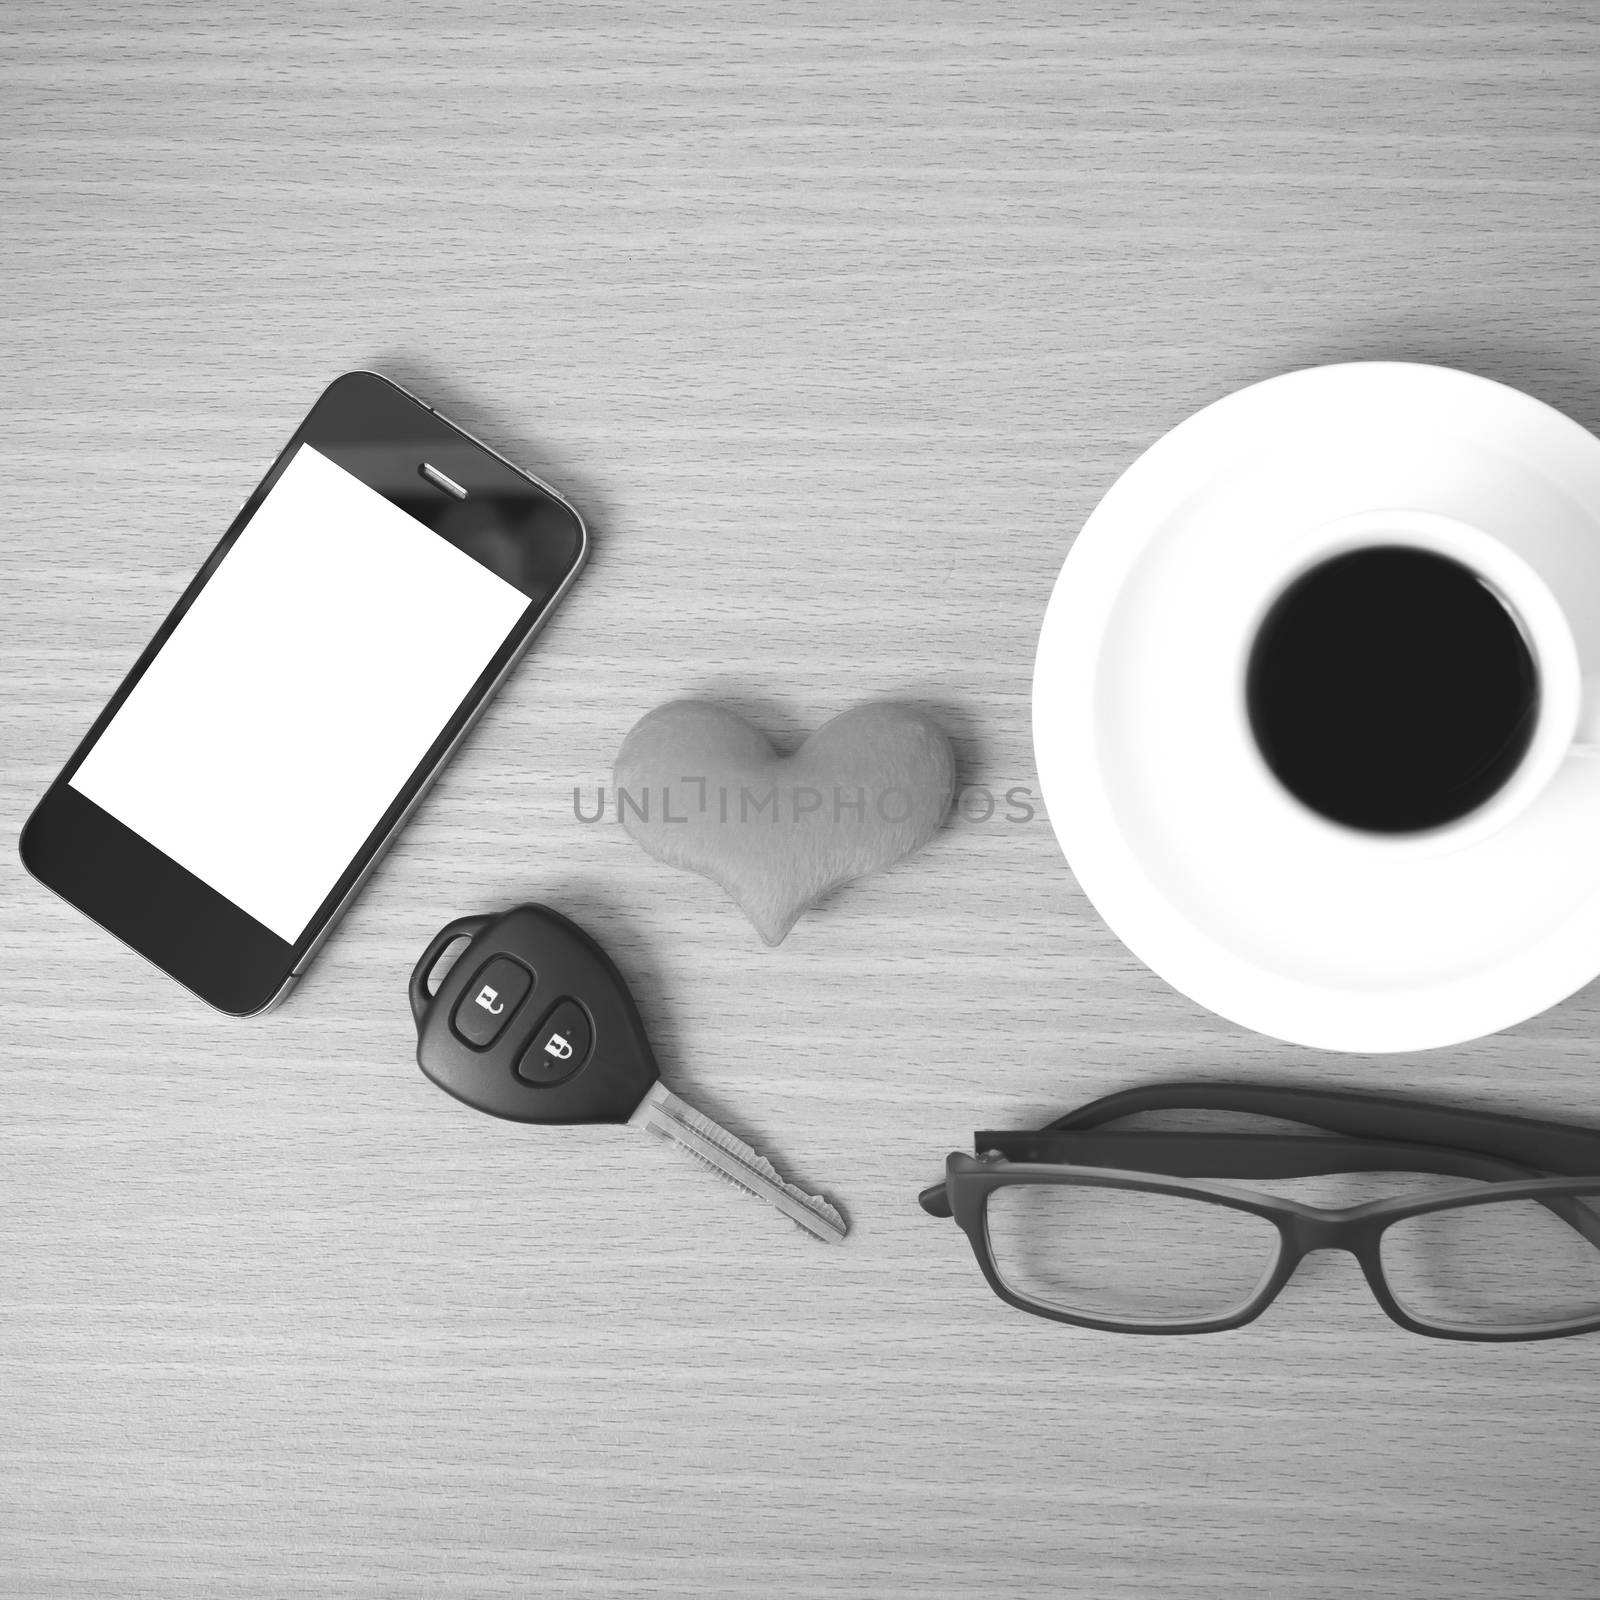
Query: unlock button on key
{"x": 559, "y": 1048}
{"x": 489, "y": 1000}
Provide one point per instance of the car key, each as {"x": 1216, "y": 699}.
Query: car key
{"x": 534, "y": 1023}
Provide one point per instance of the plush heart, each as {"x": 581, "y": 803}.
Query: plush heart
{"x": 699, "y": 787}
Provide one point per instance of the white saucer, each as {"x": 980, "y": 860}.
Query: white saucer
{"x": 1176, "y": 831}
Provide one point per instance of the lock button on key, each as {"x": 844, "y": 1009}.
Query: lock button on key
{"x": 490, "y": 1001}
{"x": 559, "y": 1048}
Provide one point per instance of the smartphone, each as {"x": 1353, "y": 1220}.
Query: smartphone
{"x": 377, "y": 588}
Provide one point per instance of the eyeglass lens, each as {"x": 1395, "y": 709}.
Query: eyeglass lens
{"x": 1127, "y": 1255}
{"x": 1512, "y": 1265}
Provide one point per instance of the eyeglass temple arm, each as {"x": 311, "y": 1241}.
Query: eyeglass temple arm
{"x": 1254, "y": 1155}
{"x": 1546, "y": 1147}
{"x": 1244, "y": 1155}
{"x": 1549, "y": 1147}
{"x": 1272, "y": 1155}
{"x": 1228, "y": 1155}
{"x": 1475, "y": 1139}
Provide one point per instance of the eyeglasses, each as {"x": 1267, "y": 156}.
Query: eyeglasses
{"x": 1128, "y": 1232}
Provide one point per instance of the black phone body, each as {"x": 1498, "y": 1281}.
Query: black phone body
{"x": 314, "y": 678}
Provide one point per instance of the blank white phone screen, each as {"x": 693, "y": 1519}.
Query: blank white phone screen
{"x": 299, "y": 692}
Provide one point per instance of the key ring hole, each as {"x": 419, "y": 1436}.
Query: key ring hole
{"x": 448, "y": 957}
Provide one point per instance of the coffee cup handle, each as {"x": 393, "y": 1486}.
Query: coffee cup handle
{"x": 1586, "y": 738}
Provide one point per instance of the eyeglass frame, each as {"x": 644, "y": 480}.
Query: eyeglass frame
{"x": 1516, "y": 1155}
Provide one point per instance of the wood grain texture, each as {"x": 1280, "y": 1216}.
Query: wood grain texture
{"x": 836, "y": 322}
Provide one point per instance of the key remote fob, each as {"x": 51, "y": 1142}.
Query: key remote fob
{"x": 533, "y": 1022}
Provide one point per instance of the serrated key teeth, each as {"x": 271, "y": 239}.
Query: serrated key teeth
{"x": 832, "y": 1214}
{"x": 664, "y": 1113}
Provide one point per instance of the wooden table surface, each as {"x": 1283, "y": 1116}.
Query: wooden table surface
{"x": 835, "y": 322}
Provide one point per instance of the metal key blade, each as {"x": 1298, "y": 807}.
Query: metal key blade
{"x": 662, "y": 1112}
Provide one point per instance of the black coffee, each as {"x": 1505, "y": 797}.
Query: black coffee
{"x": 1392, "y": 690}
